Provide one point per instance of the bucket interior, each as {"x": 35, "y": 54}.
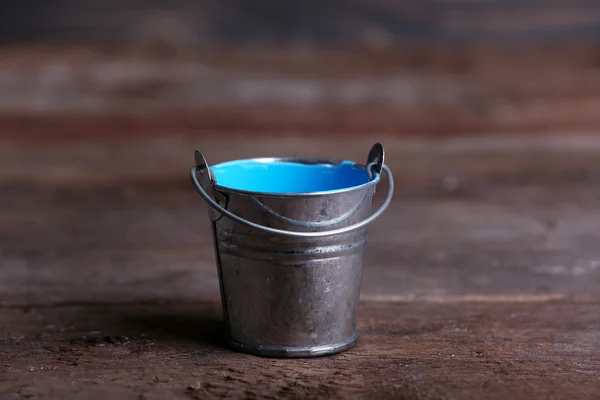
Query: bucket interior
{"x": 289, "y": 177}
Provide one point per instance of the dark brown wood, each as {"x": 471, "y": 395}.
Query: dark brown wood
{"x": 412, "y": 350}
{"x": 82, "y": 93}
{"x": 501, "y": 218}
{"x": 482, "y": 280}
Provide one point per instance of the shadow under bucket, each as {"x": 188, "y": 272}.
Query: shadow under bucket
{"x": 289, "y": 239}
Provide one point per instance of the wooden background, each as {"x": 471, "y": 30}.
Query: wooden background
{"x": 482, "y": 280}
{"x": 412, "y": 67}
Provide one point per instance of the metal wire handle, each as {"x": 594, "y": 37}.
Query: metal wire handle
{"x": 309, "y": 224}
{"x": 263, "y": 228}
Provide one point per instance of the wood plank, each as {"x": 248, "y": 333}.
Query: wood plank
{"x": 415, "y": 350}
{"x": 120, "y": 160}
{"x": 86, "y": 92}
{"x": 121, "y": 245}
{"x": 120, "y": 221}
{"x": 482, "y": 280}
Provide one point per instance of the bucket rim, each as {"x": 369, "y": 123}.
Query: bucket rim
{"x": 299, "y": 160}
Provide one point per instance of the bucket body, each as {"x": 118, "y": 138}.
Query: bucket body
{"x": 290, "y": 296}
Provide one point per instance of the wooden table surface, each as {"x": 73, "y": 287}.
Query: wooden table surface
{"x": 481, "y": 281}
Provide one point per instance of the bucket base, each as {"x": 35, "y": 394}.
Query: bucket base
{"x": 294, "y": 352}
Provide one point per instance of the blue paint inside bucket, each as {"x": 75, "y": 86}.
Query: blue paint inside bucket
{"x": 288, "y": 177}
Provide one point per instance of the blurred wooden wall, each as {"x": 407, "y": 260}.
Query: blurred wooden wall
{"x": 404, "y": 67}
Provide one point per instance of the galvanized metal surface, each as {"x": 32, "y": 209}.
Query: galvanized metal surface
{"x": 292, "y": 295}
{"x": 223, "y": 198}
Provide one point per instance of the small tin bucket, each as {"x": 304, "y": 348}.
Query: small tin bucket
{"x": 289, "y": 238}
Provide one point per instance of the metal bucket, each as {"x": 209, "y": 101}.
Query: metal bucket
{"x": 289, "y": 239}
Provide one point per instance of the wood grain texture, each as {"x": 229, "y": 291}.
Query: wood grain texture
{"x": 84, "y": 92}
{"x": 481, "y": 281}
{"x": 410, "y": 350}
{"x": 470, "y": 218}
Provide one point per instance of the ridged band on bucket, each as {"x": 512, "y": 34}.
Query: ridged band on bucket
{"x": 289, "y": 237}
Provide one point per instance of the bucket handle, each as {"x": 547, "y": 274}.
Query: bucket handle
{"x": 308, "y": 224}
{"x": 217, "y": 207}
